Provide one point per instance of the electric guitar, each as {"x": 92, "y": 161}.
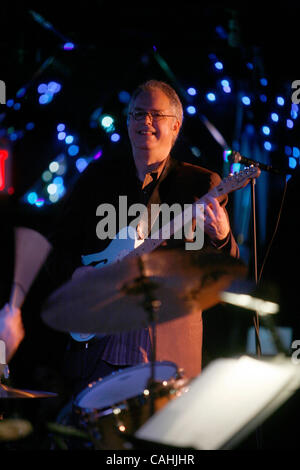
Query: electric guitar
{"x": 129, "y": 243}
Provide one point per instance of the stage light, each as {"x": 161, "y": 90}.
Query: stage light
{"x": 106, "y": 122}
{"x": 246, "y": 100}
{"x": 124, "y": 96}
{"x": 58, "y": 180}
{"x": 250, "y": 66}
{"x": 32, "y": 198}
{"x": 263, "y": 81}
{"x": 296, "y": 152}
{"x": 268, "y": 145}
{"x": 9, "y": 103}
{"x": 280, "y": 101}
{"x": 42, "y": 88}
{"x": 211, "y": 97}
{"x": 275, "y": 117}
{"x": 17, "y": 106}
{"x": 266, "y": 130}
{"x": 288, "y": 150}
{"x": 227, "y": 89}
{"x": 192, "y": 91}
{"x": 52, "y": 188}
{"x": 226, "y": 154}
{"x": 219, "y": 65}
{"x": 69, "y": 139}
{"x": 97, "y": 155}
{"x": 191, "y": 110}
{"x": 292, "y": 162}
{"x": 60, "y": 127}
{"x": 73, "y": 150}
{"x": 30, "y": 126}
{"x": 289, "y": 123}
{"x": 115, "y": 137}
{"x": 53, "y": 167}
{"x": 21, "y": 93}
{"x": 69, "y": 46}
{"x": 81, "y": 164}
{"x": 61, "y": 136}
{"x": 40, "y": 202}
{"x": 263, "y": 98}
{"x": 45, "y": 98}
{"x": 47, "y": 176}
{"x": 54, "y": 87}
{"x": 225, "y": 83}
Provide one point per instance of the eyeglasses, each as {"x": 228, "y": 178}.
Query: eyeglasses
{"x": 155, "y": 116}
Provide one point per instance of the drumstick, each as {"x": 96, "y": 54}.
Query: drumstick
{"x": 31, "y": 251}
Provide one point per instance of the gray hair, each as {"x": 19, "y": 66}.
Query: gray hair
{"x": 166, "y": 89}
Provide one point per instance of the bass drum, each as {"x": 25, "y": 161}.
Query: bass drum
{"x": 118, "y": 405}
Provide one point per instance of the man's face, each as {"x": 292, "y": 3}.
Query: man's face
{"x": 149, "y": 137}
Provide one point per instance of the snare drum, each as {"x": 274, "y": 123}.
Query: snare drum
{"x": 122, "y": 402}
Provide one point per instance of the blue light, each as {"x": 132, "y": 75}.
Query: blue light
{"x": 268, "y": 145}
{"x": 73, "y": 150}
{"x": 17, "y": 106}
{"x": 250, "y": 66}
{"x": 54, "y": 87}
{"x": 9, "y": 103}
{"x": 192, "y": 91}
{"x": 280, "y": 101}
{"x": 42, "y": 88}
{"x": 275, "y": 117}
{"x": 211, "y": 97}
{"x": 225, "y": 83}
{"x": 60, "y": 127}
{"x": 32, "y": 198}
{"x": 263, "y": 81}
{"x": 107, "y": 122}
{"x": 115, "y": 137}
{"x": 266, "y": 130}
{"x": 21, "y": 93}
{"x": 246, "y": 100}
{"x": 30, "y": 126}
{"x": 296, "y": 152}
{"x": 45, "y": 98}
{"x": 227, "y": 89}
{"x": 81, "y": 164}
{"x": 40, "y": 203}
{"x": 287, "y": 150}
{"x": 69, "y": 139}
{"x": 191, "y": 110}
{"x": 263, "y": 98}
{"x": 289, "y": 123}
{"x": 292, "y": 162}
{"x": 219, "y": 65}
{"x": 124, "y": 97}
{"x": 69, "y": 46}
{"x": 61, "y": 136}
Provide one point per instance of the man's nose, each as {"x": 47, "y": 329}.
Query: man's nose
{"x": 148, "y": 118}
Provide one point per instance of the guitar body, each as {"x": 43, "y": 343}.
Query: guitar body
{"x": 126, "y": 240}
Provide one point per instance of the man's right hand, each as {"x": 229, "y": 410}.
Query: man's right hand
{"x": 11, "y": 329}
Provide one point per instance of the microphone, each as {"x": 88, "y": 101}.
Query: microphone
{"x": 236, "y": 157}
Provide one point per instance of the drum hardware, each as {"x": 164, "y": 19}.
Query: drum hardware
{"x": 112, "y": 409}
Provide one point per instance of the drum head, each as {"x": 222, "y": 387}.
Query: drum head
{"x": 123, "y": 385}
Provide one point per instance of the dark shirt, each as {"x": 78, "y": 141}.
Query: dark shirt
{"x": 104, "y": 182}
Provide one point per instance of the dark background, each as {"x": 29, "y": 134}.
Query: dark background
{"x": 117, "y": 47}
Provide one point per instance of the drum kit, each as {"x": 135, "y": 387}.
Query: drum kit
{"x": 137, "y": 293}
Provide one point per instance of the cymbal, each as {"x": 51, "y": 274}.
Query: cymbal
{"x": 120, "y": 296}
{"x": 8, "y": 392}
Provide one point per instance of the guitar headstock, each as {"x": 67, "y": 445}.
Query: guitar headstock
{"x": 239, "y": 179}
